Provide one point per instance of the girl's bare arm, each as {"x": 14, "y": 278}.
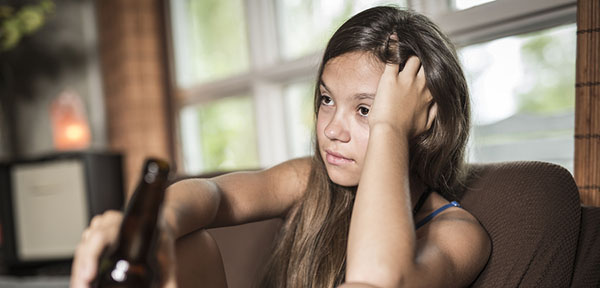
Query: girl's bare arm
{"x": 235, "y": 198}
{"x": 201, "y": 203}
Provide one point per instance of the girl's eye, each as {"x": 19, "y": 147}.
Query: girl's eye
{"x": 326, "y": 100}
{"x": 363, "y": 111}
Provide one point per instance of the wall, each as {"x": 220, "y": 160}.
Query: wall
{"x": 134, "y": 72}
{"x": 61, "y": 55}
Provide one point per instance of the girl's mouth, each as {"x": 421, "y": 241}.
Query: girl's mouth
{"x": 336, "y": 158}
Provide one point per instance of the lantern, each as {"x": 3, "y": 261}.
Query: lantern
{"x": 69, "y": 124}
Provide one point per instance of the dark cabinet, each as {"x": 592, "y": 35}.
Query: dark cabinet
{"x": 46, "y": 203}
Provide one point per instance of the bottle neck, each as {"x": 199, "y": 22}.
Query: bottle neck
{"x": 139, "y": 229}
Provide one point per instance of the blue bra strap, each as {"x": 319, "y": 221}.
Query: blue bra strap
{"x": 436, "y": 212}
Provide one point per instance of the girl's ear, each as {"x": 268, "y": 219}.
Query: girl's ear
{"x": 431, "y": 114}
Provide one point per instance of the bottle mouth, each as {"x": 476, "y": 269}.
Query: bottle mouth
{"x": 154, "y": 167}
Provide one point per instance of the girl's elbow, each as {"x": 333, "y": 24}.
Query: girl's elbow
{"x": 376, "y": 279}
{"x": 357, "y": 285}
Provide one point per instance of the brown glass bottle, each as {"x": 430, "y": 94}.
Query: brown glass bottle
{"x": 132, "y": 261}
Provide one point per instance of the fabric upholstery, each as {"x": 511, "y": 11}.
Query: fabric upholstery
{"x": 587, "y": 260}
{"x": 245, "y": 249}
{"x": 531, "y": 212}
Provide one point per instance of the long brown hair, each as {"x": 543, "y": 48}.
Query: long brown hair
{"x": 311, "y": 248}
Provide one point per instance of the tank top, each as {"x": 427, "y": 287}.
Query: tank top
{"x": 420, "y": 203}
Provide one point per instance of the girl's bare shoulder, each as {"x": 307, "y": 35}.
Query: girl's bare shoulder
{"x": 291, "y": 175}
{"x": 294, "y": 170}
{"x": 458, "y": 236}
{"x": 450, "y": 216}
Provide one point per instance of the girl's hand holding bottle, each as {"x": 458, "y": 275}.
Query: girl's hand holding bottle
{"x": 129, "y": 250}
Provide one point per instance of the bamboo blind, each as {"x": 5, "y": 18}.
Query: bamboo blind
{"x": 587, "y": 102}
{"x": 133, "y": 70}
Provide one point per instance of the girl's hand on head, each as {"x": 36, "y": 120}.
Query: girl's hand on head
{"x": 403, "y": 100}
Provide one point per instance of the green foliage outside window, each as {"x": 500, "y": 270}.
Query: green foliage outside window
{"x": 300, "y": 117}
{"x": 304, "y": 26}
{"x": 314, "y": 30}
{"x": 218, "y": 38}
{"x": 228, "y": 135}
{"x": 549, "y": 60}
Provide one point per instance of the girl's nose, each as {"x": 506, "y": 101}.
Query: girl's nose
{"x": 337, "y": 130}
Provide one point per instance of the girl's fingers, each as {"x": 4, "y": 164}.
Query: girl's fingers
{"x": 101, "y": 233}
{"x": 421, "y": 74}
{"x": 422, "y": 84}
{"x": 412, "y": 66}
{"x": 389, "y": 76}
{"x": 391, "y": 70}
{"x": 86, "y": 257}
{"x": 431, "y": 114}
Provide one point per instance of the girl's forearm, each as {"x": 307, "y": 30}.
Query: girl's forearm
{"x": 382, "y": 239}
{"x": 190, "y": 205}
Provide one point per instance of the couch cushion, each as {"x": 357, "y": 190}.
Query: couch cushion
{"x": 531, "y": 211}
{"x": 587, "y": 261}
{"x": 245, "y": 249}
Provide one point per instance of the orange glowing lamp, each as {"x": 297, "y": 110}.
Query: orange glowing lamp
{"x": 69, "y": 125}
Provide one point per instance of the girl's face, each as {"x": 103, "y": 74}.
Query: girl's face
{"x": 347, "y": 87}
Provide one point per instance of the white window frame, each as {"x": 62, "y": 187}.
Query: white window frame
{"x": 502, "y": 18}
{"x": 269, "y": 73}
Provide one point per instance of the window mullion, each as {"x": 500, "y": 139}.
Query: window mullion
{"x": 261, "y": 33}
{"x": 268, "y": 100}
{"x": 193, "y": 162}
{"x": 269, "y": 107}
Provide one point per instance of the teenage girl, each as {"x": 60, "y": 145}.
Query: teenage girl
{"x": 373, "y": 207}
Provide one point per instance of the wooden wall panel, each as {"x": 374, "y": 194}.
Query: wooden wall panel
{"x": 132, "y": 49}
{"x": 587, "y": 102}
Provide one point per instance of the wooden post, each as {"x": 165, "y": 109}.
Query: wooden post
{"x": 133, "y": 59}
{"x": 587, "y": 102}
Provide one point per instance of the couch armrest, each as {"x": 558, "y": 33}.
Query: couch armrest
{"x": 245, "y": 249}
{"x": 587, "y": 261}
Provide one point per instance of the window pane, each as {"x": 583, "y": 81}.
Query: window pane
{"x": 219, "y": 135}
{"x": 202, "y": 52}
{"x": 466, "y": 4}
{"x": 298, "y": 98}
{"x": 306, "y": 25}
{"x": 522, "y": 89}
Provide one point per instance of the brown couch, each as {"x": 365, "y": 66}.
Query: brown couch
{"x": 541, "y": 235}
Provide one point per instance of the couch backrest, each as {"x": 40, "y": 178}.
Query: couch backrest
{"x": 587, "y": 261}
{"x": 531, "y": 211}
